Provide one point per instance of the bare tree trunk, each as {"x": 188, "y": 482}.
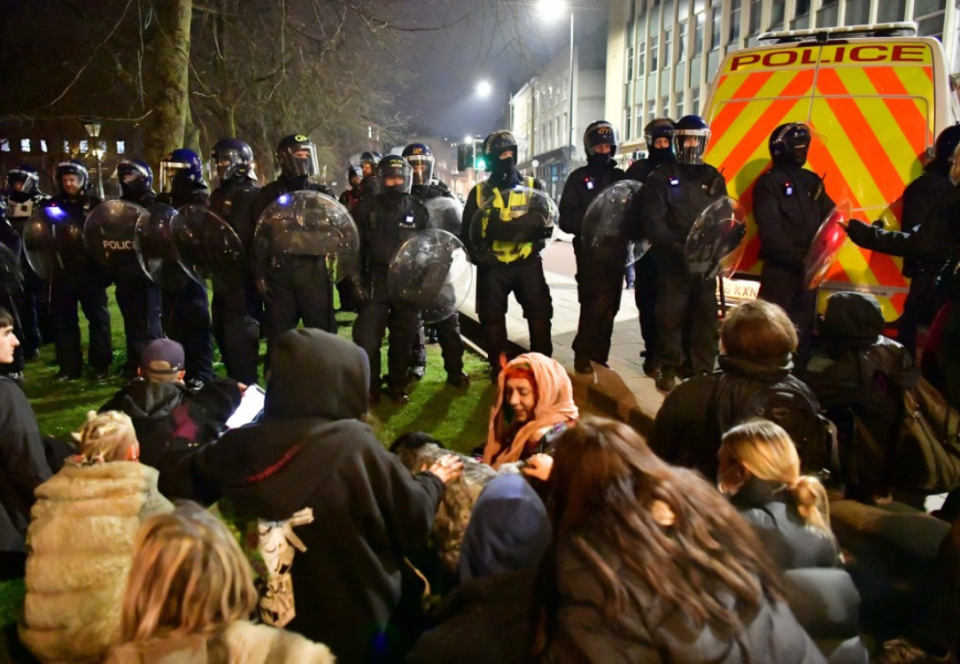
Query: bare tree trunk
{"x": 166, "y": 78}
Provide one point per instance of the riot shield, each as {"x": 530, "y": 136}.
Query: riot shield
{"x": 445, "y": 214}
{"x": 153, "y": 242}
{"x": 430, "y": 271}
{"x": 528, "y": 216}
{"x": 10, "y": 273}
{"x": 109, "y": 231}
{"x": 826, "y": 245}
{"x": 53, "y": 243}
{"x": 606, "y": 223}
{"x": 305, "y": 237}
{"x": 208, "y": 248}
{"x": 717, "y": 240}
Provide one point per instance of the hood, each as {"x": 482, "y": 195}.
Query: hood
{"x": 851, "y": 320}
{"x": 315, "y": 374}
{"x": 767, "y": 370}
{"x": 508, "y": 530}
{"x": 147, "y": 400}
{"x": 891, "y": 359}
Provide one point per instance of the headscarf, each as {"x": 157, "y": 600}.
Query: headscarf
{"x": 554, "y": 405}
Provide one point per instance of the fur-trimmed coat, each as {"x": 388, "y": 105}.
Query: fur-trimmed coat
{"x": 246, "y": 643}
{"x": 80, "y": 544}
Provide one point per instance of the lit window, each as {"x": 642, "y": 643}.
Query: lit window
{"x": 698, "y": 34}
{"x": 680, "y": 112}
{"x": 121, "y": 147}
{"x": 667, "y": 49}
{"x": 715, "y": 25}
{"x": 858, "y": 12}
{"x": 84, "y": 147}
{"x": 25, "y": 145}
{"x": 66, "y": 147}
{"x": 641, "y": 59}
{"x": 756, "y": 9}
{"x": 43, "y": 145}
{"x": 629, "y": 64}
{"x": 4, "y": 145}
{"x": 682, "y": 42}
{"x": 734, "y": 34}
{"x": 654, "y": 53}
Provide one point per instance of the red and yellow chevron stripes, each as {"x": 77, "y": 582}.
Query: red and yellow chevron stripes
{"x": 870, "y": 107}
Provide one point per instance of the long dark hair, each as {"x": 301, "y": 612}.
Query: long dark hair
{"x": 675, "y": 536}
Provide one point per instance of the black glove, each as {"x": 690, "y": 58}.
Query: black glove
{"x": 360, "y": 294}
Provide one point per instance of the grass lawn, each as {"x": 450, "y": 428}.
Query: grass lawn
{"x": 456, "y": 416}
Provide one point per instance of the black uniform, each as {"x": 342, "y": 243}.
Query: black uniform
{"x": 284, "y": 306}
{"x": 508, "y": 261}
{"x": 645, "y": 269}
{"x": 236, "y": 314}
{"x": 186, "y": 310}
{"x": 32, "y": 302}
{"x": 789, "y": 205}
{"x": 447, "y": 331}
{"x": 674, "y": 195}
{"x": 599, "y": 269}
{"x": 929, "y": 248}
{"x": 369, "y": 186}
{"x": 87, "y": 287}
{"x": 385, "y": 221}
{"x": 139, "y": 301}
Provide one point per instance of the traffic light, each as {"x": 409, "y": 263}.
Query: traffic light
{"x": 480, "y": 163}
{"x": 470, "y": 155}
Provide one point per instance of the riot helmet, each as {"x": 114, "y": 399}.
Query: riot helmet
{"x": 598, "y": 133}
{"x": 690, "y": 137}
{"x": 658, "y": 135}
{"x": 24, "y": 175}
{"x": 354, "y": 172}
{"x": 76, "y": 168}
{"x": 944, "y": 148}
{"x": 135, "y": 176}
{"x": 495, "y": 146}
{"x": 297, "y": 156}
{"x": 181, "y": 167}
{"x": 231, "y": 158}
{"x": 421, "y": 160}
{"x": 790, "y": 143}
{"x": 369, "y": 161}
{"x": 392, "y": 168}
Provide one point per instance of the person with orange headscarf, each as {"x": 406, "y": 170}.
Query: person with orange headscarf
{"x": 534, "y": 405}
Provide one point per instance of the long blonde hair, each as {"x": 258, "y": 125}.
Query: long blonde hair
{"x": 768, "y": 452}
{"x": 189, "y": 577}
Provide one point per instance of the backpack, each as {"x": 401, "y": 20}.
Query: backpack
{"x": 926, "y": 456}
{"x": 789, "y": 403}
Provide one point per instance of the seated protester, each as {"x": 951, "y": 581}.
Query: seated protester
{"x": 489, "y": 618}
{"x": 81, "y": 543}
{"x": 650, "y": 564}
{"x": 23, "y": 465}
{"x": 757, "y": 342}
{"x": 336, "y": 510}
{"x": 164, "y": 412}
{"x": 188, "y": 598}
{"x": 534, "y": 405}
{"x": 865, "y": 379}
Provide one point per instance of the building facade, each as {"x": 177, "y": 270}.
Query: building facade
{"x": 540, "y": 113}
{"x": 662, "y": 54}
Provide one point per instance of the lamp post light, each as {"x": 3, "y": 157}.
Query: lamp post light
{"x": 551, "y": 9}
{"x": 92, "y": 125}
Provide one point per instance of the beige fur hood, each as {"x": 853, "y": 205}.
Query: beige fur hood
{"x": 80, "y": 545}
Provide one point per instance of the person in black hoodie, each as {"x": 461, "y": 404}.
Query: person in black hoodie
{"x": 599, "y": 269}
{"x": 313, "y": 467}
{"x": 867, "y": 377}
{"x": 659, "y": 137}
{"x": 789, "y": 205}
{"x": 23, "y": 465}
{"x": 164, "y": 412}
{"x": 505, "y": 244}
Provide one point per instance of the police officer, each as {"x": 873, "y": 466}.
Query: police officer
{"x": 446, "y": 332}
{"x": 236, "y": 313}
{"x": 385, "y": 221}
{"x": 934, "y": 200}
{"x": 186, "y": 310}
{"x": 599, "y": 269}
{"x": 351, "y": 195}
{"x": 23, "y": 196}
{"x": 658, "y": 135}
{"x": 284, "y": 307}
{"x": 85, "y": 285}
{"x": 674, "y": 196}
{"x": 508, "y": 252}
{"x": 789, "y": 204}
{"x": 137, "y": 297}
{"x": 369, "y": 165}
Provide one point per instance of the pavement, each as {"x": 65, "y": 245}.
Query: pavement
{"x": 621, "y": 391}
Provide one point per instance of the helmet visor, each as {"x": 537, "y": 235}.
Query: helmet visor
{"x": 422, "y": 168}
{"x": 395, "y": 176}
{"x": 690, "y": 145}
{"x": 224, "y": 163}
{"x": 299, "y": 160}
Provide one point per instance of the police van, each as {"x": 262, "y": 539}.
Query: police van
{"x": 875, "y": 98}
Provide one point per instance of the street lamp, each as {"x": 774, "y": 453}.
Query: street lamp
{"x": 484, "y": 88}
{"x": 92, "y": 125}
{"x": 551, "y": 9}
